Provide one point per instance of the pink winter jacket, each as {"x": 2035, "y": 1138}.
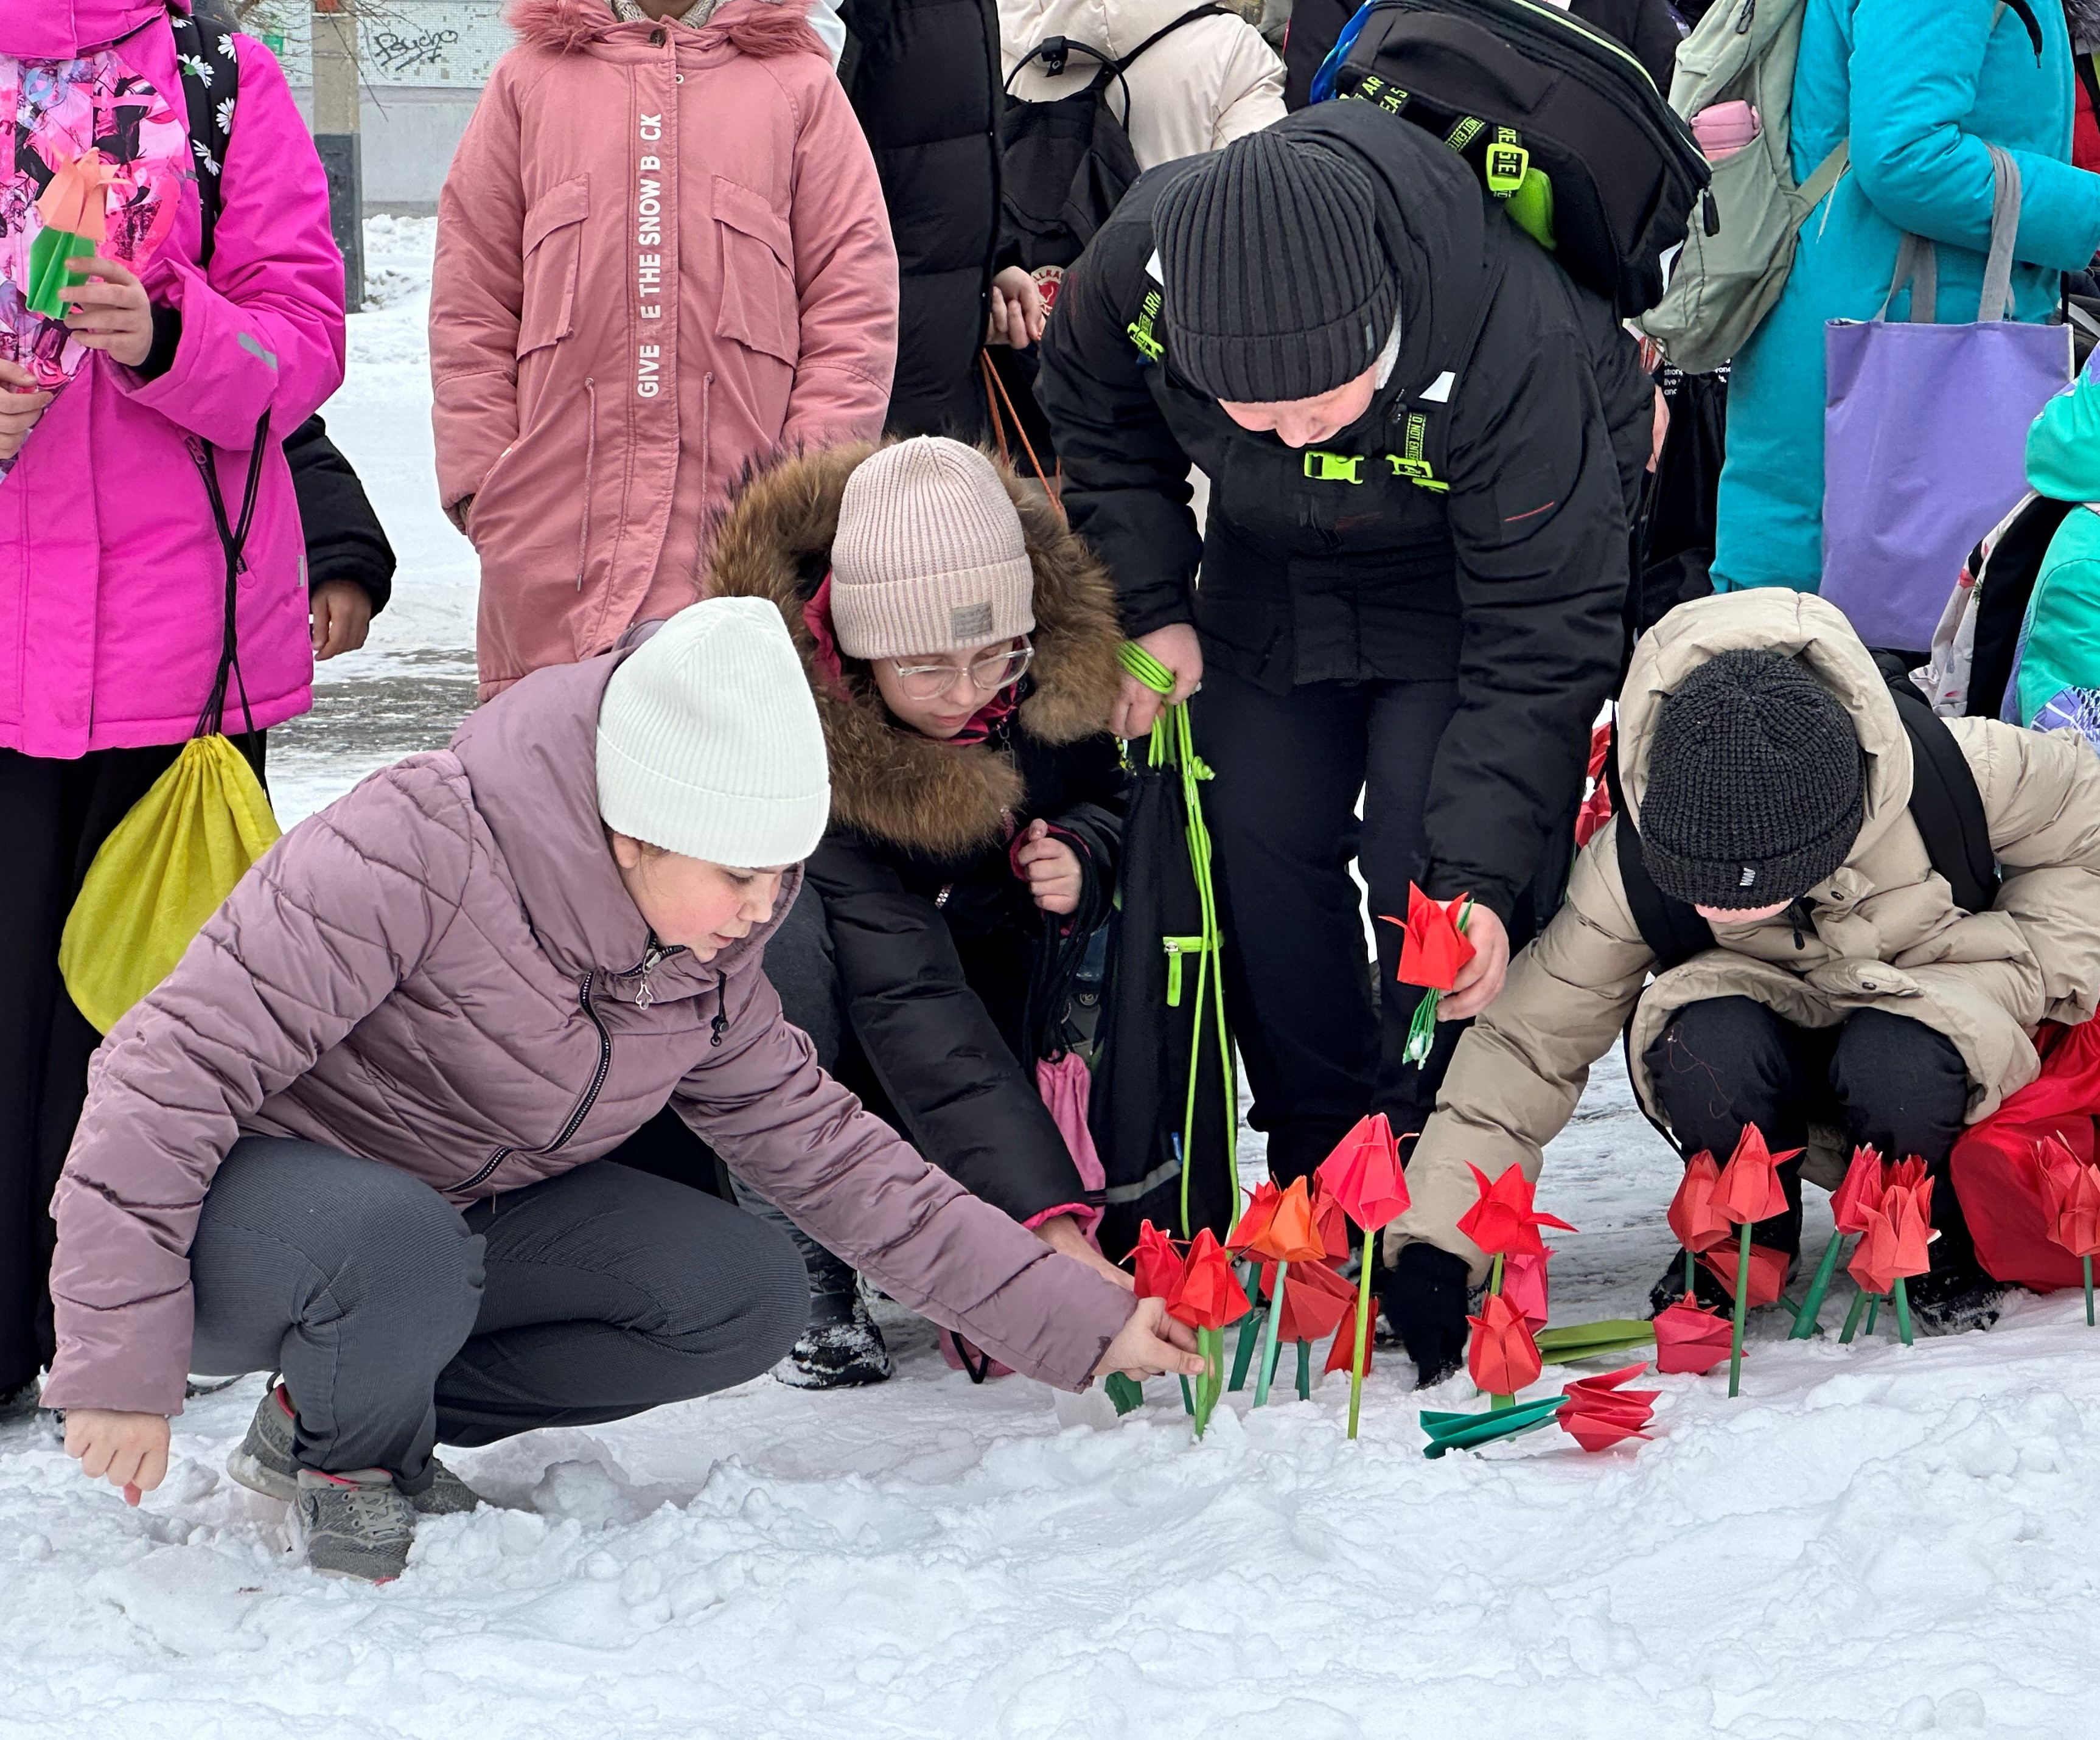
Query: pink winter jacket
{"x": 111, "y": 580}
{"x": 439, "y": 972}
{"x": 663, "y": 257}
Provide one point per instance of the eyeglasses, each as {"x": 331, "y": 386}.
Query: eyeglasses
{"x": 988, "y": 674}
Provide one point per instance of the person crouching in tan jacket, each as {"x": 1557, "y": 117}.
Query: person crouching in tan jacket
{"x": 1845, "y": 998}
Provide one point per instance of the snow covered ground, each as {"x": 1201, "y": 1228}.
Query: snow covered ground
{"x": 1872, "y": 1542}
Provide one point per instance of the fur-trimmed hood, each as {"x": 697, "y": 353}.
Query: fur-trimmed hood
{"x": 758, "y": 27}
{"x": 888, "y": 781}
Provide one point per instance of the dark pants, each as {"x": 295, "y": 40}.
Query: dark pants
{"x": 1891, "y": 1082}
{"x": 400, "y": 1321}
{"x": 57, "y": 814}
{"x": 1282, "y": 813}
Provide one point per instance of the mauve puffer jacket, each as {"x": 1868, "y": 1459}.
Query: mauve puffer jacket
{"x": 441, "y": 971}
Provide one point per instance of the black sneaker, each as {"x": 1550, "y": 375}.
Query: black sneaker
{"x": 1954, "y": 1297}
{"x": 842, "y": 1349}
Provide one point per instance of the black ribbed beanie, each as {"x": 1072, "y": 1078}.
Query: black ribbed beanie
{"x": 1756, "y": 783}
{"x": 1277, "y": 286}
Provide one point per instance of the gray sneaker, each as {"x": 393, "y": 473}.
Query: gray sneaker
{"x": 264, "y": 1463}
{"x": 354, "y": 1525}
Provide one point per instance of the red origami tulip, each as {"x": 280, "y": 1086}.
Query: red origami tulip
{"x": 1749, "y": 1188}
{"x": 1253, "y": 1218}
{"x": 1364, "y": 1175}
{"x": 1693, "y": 1217}
{"x": 1290, "y": 1236}
{"x": 2059, "y": 1168}
{"x": 1688, "y": 1337}
{"x": 1768, "y": 1271}
{"x": 1315, "y": 1300}
{"x": 1598, "y": 1414}
{"x": 1502, "y": 1355}
{"x": 1432, "y": 948}
{"x": 1332, "y": 1220}
{"x": 1860, "y": 1194}
{"x": 2076, "y": 1227}
{"x": 1207, "y": 1295}
{"x": 1895, "y": 1242}
{"x": 1503, "y": 1222}
{"x": 1523, "y": 1285}
{"x": 1341, "y": 1357}
{"x": 1157, "y": 1264}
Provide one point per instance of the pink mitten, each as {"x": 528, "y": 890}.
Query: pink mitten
{"x": 1725, "y": 129}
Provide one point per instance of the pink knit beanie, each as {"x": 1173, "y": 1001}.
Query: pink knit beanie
{"x": 929, "y": 556}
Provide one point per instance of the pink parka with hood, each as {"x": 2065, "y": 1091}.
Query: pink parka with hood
{"x": 663, "y": 257}
{"x": 443, "y": 971}
{"x": 112, "y": 580}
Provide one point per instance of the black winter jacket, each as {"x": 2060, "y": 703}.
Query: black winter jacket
{"x": 937, "y": 941}
{"x": 1525, "y": 400}
{"x": 924, "y": 80}
{"x": 345, "y": 540}
{"x": 1649, "y": 28}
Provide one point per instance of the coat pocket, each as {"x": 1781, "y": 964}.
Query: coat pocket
{"x": 758, "y": 307}
{"x": 553, "y": 257}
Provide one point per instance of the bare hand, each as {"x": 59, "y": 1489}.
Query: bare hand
{"x": 21, "y": 403}
{"x": 1138, "y": 707}
{"x": 1480, "y": 980}
{"x": 341, "y": 616}
{"x": 1062, "y": 1233}
{"x": 129, "y": 1451}
{"x": 113, "y": 314}
{"x": 1152, "y": 1342}
{"x": 1053, "y": 868}
{"x": 1017, "y": 313}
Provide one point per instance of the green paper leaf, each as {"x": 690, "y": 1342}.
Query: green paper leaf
{"x": 1585, "y": 1340}
{"x": 1469, "y": 1431}
{"x": 1127, "y": 1393}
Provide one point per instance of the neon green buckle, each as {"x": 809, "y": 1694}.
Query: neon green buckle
{"x": 1176, "y": 948}
{"x": 1323, "y": 467}
{"x": 1507, "y": 166}
{"x": 1417, "y": 472}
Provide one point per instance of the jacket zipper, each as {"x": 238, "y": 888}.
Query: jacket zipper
{"x": 583, "y": 1106}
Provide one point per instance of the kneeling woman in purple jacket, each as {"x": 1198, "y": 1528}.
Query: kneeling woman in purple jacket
{"x": 349, "y": 1137}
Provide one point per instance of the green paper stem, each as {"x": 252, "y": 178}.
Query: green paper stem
{"x": 1304, "y": 1370}
{"x": 2089, "y": 1292}
{"x": 1852, "y": 1318}
{"x": 1364, "y": 1335}
{"x": 1807, "y": 1318}
{"x": 1495, "y": 1275}
{"x": 1690, "y": 1276}
{"x": 1902, "y": 1312}
{"x": 1266, "y": 1371}
{"x": 1742, "y": 1312}
{"x": 1250, "y": 1335}
{"x": 1125, "y": 1392}
{"x": 1188, "y": 1400}
{"x": 1873, "y": 1312}
{"x": 1211, "y": 1344}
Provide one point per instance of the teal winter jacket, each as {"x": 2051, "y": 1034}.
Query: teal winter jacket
{"x": 2057, "y": 682}
{"x": 1921, "y": 88}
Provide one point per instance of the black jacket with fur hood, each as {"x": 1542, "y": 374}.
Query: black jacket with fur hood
{"x": 936, "y": 940}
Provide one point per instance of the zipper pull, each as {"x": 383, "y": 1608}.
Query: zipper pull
{"x": 655, "y": 952}
{"x": 1793, "y": 914}
{"x": 1710, "y": 211}
{"x": 1744, "y": 18}
{"x": 719, "y": 1025}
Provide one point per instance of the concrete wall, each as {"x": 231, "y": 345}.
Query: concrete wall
{"x": 407, "y": 133}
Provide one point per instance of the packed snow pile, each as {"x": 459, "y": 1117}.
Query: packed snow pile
{"x": 1874, "y": 1541}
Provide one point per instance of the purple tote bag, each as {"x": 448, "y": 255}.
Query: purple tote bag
{"x": 1926, "y": 430}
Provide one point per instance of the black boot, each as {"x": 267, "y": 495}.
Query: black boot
{"x": 1955, "y": 1294}
{"x": 1424, "y": 1295}
{"x": 1707, "y": 1289}
{"x": 842, "y": 1349}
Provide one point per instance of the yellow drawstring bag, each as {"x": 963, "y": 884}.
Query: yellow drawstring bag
{"x": 166, "y": 867}
{"x": 161, "y": 873}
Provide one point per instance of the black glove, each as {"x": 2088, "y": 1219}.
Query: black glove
{"x": 1424, "y": 1295}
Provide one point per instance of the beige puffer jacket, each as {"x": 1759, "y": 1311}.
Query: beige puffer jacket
{"x": 1886, "y": 933}
{"x": 1199, "y": 89}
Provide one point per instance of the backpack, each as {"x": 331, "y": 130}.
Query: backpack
{"x": 1944, "y": 802}
{"x": 1563, "y": 124}
{"x": 1976, "y": 648}
{"x": 211, "y": 79}
{"x": 1065, "y": 163}
{"x": 1737, "y": 257}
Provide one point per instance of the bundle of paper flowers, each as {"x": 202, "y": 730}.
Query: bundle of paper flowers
{"x": 1201, "y": 1291}
{"x": 1889, "y": 1207}
{"x": 1433, "y": 950}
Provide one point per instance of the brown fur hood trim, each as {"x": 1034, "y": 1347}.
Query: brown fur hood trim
{"x": 761, "y": 31}
{"x": 888, "y": 782}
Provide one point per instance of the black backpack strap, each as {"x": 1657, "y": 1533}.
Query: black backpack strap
{"x": 1188, "y": 17}
{"x": 211, "y": 79}
{"x": 1946, "y": 805}
{"x": 1673, "y": 931}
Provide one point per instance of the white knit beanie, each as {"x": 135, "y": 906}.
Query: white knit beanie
{"x": 929, "y": 556}
{"x": 709, "y": 743}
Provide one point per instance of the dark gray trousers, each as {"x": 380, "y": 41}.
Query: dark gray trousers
{"x": 400, "y": 1321}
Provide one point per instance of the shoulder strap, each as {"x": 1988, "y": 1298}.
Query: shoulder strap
{"x": 1673, "y": 931}
{"x": 211, "y": 79}
{"x": 1946, "y": 805}
{"x": 1188, "y": 17}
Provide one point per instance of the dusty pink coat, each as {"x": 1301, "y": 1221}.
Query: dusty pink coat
{"x": 440, "y": 971}
{"x": 112, "y": 583}
{"x": 663, "y": 257}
